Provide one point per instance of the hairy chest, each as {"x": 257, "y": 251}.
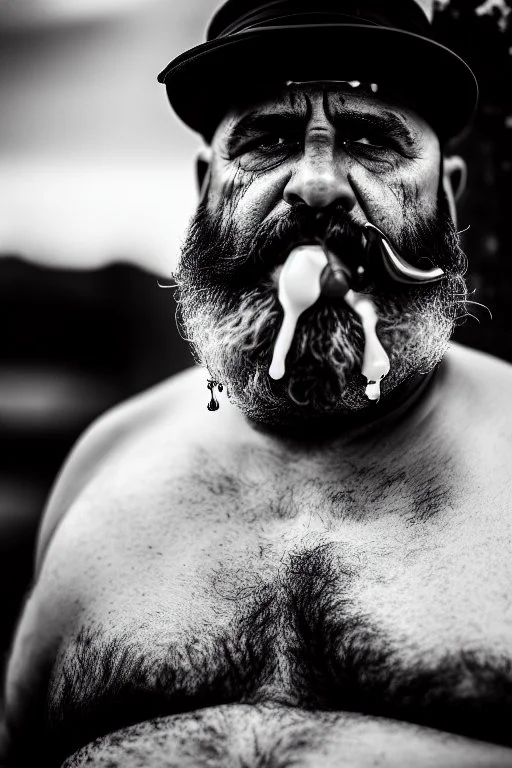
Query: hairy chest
{"x": 420, "y": 544}
{"x": 382, "y": 590}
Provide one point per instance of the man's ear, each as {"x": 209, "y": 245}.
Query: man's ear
{"x": 203, "y": 163}
{"x": 454, "y": 182}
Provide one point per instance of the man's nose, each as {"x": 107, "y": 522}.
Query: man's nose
{"x": 320, "y": 178}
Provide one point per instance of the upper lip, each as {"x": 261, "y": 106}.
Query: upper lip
{"x": 335, "y": 261}
{"x": 333, "y": 246}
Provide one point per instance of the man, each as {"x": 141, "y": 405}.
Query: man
{"x": 310, "y": 575}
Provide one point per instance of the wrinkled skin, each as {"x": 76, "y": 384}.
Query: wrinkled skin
{"x": 211, "y": 592}
{"x": 345, "y": 158}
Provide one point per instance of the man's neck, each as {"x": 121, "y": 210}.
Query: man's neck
{"x": 392, "y": 410}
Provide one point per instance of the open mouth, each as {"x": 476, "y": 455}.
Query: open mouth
{"x": 347, "y": 260}
{"x": 357, "y": 262}
{"x": 312, "y": 271}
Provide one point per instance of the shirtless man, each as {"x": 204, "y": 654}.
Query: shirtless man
{"x": 305, "y": 576}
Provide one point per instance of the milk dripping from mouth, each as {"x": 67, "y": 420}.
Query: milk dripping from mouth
{"x": 306, "y": 275}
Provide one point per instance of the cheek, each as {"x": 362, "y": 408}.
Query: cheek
{"x": 390, "y": 200}
{"x": 242, "y": 198}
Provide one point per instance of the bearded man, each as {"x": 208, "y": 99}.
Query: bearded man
{"x": 318, "y": 572}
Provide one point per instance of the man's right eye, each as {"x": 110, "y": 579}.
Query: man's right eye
{"x": 270, "y": 142}
{"x": 266, "y": 151}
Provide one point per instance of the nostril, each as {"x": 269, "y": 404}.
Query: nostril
{"x": 293, "y": 198}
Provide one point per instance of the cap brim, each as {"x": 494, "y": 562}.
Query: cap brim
{"x": 203, "y": 82}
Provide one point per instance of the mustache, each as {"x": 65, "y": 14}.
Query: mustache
{"x": 218, "y": 258}
{"x": 332, "y": 227}
{"x": 224, "y": 254}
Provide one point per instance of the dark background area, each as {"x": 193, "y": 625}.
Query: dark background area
{"x": 486, "y": 207}
{"x": 74, "y": 343}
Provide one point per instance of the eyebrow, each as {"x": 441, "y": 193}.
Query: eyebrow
{"x": 385, "y": 122}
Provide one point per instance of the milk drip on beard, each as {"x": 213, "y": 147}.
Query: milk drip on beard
{"x": 306, "y": 274}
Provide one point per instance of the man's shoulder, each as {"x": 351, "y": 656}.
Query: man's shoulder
{"x": 481, "y": 382}
{"x": 124, "y": 421}
{"x": 161, "y": 401}
{"x": 473, "y": 358}
{"x": 480, "y": 368}
{"x": 162, "y": 404}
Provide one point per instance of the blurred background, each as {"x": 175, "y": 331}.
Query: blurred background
{"x": 96, "y": 190}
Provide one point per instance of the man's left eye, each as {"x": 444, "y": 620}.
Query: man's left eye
{"x": 368, "y": 142}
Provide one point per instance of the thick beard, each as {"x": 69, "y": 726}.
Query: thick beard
{"x": 231, "y": 316}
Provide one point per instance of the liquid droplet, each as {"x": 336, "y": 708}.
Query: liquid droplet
{"x": 375, "y": 360}
{"x": 213, "y": 405}
{"x": 372, "y": 391}
{"x": 299, "y": 288}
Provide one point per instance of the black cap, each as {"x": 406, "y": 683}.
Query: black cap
{"x": 388, "y": 42}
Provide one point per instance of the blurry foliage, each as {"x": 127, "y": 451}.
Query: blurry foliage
{"x": 481, "y": 32}
{"x": 498, "y": 10}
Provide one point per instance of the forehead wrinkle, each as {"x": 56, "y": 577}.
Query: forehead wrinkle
{"x": 300, "y": 101}
{"x": 374, "y": 106}
{"x": 391, "y": 118}
{"x": 339, "y": 102}
{"x": 285, "y": 101}
{"x": 297, "y": 99}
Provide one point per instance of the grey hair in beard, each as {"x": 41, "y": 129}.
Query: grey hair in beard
{"x": 230, "y": 314}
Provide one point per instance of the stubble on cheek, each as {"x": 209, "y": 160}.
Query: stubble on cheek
{"x": 228, "y": 185}
{"x": 397, "y": 199}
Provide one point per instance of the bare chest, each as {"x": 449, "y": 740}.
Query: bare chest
{"x": 353, "y": 616}
{"x": 382, "y": 589}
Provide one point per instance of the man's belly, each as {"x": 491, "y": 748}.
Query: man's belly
{"x": 340, "y": 622}
{"x": 270, "y": 736}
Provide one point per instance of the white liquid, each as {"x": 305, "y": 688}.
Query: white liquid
{"x": 299, "y": 288}
{"x": 375, "y": 359}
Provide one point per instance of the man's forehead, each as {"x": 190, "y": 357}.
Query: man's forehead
{"x": 336, "y": 96}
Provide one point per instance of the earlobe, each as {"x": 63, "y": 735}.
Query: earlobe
{"x": 203, "y": 163}
{"x": 454, "y": 182}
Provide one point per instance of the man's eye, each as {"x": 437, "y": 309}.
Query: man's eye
{"x": 273, "y": 142}
{"x": 373, "y": 152}
{"x": 262, "y": 153}
{"x": 368, "y": 142}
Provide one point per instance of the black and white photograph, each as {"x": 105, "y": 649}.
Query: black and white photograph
{"x": 256, "y": 383}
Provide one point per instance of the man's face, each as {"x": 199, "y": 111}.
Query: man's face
{"x": 317, "y": 162}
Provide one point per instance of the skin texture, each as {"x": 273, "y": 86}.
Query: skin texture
{"x": 322, "y": 176}
{"x": 309, "y": 164}
{"x": 213, "y": 592}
